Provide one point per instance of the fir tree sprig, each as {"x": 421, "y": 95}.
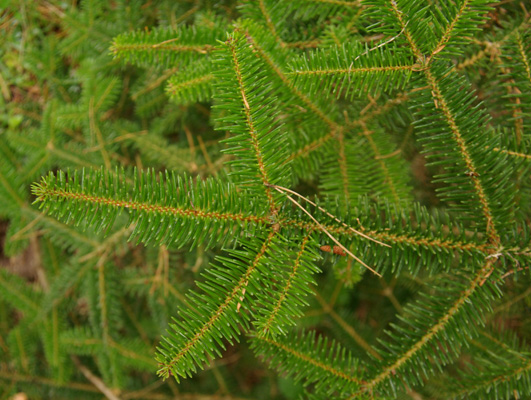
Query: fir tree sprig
{"x": 388, "y": 134}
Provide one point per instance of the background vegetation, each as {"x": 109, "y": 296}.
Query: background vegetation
{"x": 364, "y": 99}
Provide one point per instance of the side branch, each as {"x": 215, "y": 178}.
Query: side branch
{"x": 353, "y": 71}
{"x": 252, "y": 129}
{"x": 393, "y": 238}
{"x": 162, "y": 47}
{"x": 440, "y": 100}
{"x": 449, "y": 29}
{"x": 289, "y": 84}
{"x": 308, "y": 359}
{"x": 283, "y": 298}
{"x": 237, "y": 292}
{"x": 173, "y": 88}
{"x": 43, "y": 193}
{"x": 403, "y": 25}
{"x": 513, "y": 153}
{"x": 438, "y": 327}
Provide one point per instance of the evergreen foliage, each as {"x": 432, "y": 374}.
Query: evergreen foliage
{"x": 341, "y": 189}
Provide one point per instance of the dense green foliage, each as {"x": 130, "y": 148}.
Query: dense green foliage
{"x": 341, "y": 189}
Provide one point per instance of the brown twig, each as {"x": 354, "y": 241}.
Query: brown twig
{"x": 95, "y": 380}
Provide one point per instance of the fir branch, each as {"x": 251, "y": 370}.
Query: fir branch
{"x": 317, "y": 361}
{"x": 282, "y": 306}
{"x": 446, "y": 327}
{"x": 166, "y": 47}
{"x": 97, "y": 197}
{"x": 502, "y": 368}
{"x": 251, "y": 125}
{"x": 16, "y": 292}
{"x": 467, "y": 18}
{"x": 192, "y": 339}
{"x": 438, "y": 78}
{"x": 388, "y": 233}
{"x": 514, "y": 153}
{"x": 273, "y": 56}
{"x": 285, "y": 137}
{"x": 269, "y": 21}
{"x": 192, "y": 84}
{"x": 254, "y": 120}
{"x": 349, "y": 70}
{"x": 463, "y": 147}
{"x": 389, "y": 17}
{"x": 310, "y": 147}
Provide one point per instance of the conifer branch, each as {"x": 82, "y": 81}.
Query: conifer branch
{"x": 451, "y": 28}
{"x": 45, "y": 193}
{"x": 513, "y": 153}
{"x": 524, "y": 57}
{"x": 342, "y": 161}
{"x": 463, "y": 148}
{"x": 385, "y": 236}
{"x": 251, "y": 125}
{"x": 178, "y": 362}
{"x": 166, "y": 47}
{"x": 473, "y": 173}
{"x": 433, "y": 332}
{"x": 283, "y": 76}
{"x": 309, "y": 359}
{"x": 380, "y": 160}
{"x": 399, "y": 15}
{"x": 269, "y": 22}
{"x": 279, "y": 105}
{"x": 271, "y": 322}
{"x": 310, "y": 147}
{"x": 147, "y": 204}
{"x": 317, "y": 361}
{"x": 353, "y": 71}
